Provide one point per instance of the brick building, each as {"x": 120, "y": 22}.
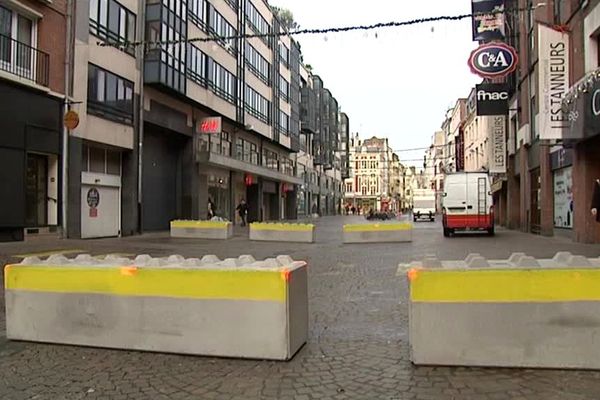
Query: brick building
{"x": 552, "y": 162}
{"x": 33, "y": 65}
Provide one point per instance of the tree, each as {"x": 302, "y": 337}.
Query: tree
{"x": 286, "y": 17}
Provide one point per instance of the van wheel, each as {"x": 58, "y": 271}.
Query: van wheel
{"x": 446, "y": 232}
{"x": 490, "y": 231}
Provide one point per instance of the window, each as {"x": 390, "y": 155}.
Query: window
{"x": 109, "y": 95}
{"x": 257, "y": 105}
{"x": 197, "y": 65}
{"x": 246, "y": 151}
{"x": 284, "y": 123}
{"x": 284, "y": 54}
{"x": 112, "y": 22}
{"x": 270, "y": 159}
{"x": 220, "y": 27}
{"x": 197, "y": 12}
{"x": 349, "y": 187}
{"x": 17, "y": 44}
{"x": 257, "y": 22}
{"x": 284, "y": 89}
{"x": 257, "y": 64}
{"x": 101, "y": 161}
{"x": 222, "y": 82}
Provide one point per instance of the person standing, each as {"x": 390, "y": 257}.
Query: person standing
{"x": 595, "y": 208}
{"x": 242, "y": 210}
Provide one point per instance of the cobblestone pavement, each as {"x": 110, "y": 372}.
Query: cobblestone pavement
{"x": 357, "y": 347}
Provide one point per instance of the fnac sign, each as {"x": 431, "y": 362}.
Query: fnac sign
{"x": 493, "y": 60}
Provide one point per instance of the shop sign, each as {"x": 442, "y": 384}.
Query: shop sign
{"x": 492, "y": 99}
{"x": 488, "y": 20}
{"x": 493, "y": 60}
{"x": 210, "y": 125}
{"x": 71, "y": 120}
{"x": 93, "y": 199}
{"x": 553, "y": 82}
{"x": 497, "y": 161}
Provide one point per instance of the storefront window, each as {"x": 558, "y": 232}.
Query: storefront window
{"x": 218, "y": 193}
{"x": 563, "y": 198}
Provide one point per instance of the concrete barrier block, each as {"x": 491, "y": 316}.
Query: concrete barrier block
{"x": 162, "y": 304}
{"x": 562, "y": 257}
{"x": 282, "y": 232}
{"x": 477, "y": 262}
{"x": 578, "y": 261}
{"x": 515, "y": 257}
{"x": 527, "y": 262}
{"x": 506, "y": 315}
{"x": 431, "y": 262}
{"x": 470, "y": 256}
{"x": 201, "y": 229}
{"x": 378, "y": 233}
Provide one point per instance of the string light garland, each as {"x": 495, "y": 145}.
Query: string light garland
{"x": 316, "y": 31}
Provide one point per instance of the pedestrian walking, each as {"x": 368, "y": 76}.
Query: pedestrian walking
{"x": 353, "y": 209}
{"x": 595, "y": 208}
{"x": 211, "y": 209}
{"x": 242, "y": 210}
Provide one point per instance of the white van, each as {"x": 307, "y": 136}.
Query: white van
{"x": 423, "y": 204}
{"x": 467, "y": 203}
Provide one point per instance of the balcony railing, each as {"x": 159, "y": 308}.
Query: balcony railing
{"x": 24, "y": 61}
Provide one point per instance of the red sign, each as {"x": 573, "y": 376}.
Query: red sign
{"x": 93, "y": 212}
{"x": 248, "y": 180}
{"x": 211, "y": 125}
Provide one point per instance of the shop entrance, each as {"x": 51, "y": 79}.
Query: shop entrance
{"x": 36, "y": 191}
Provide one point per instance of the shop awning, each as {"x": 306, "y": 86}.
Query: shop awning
{"x": 230, "y": 163}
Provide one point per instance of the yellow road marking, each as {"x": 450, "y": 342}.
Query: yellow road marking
{"x": 132, "y": 281}
{"x": 49, "y": 253}
{"x": 376, "y": 227}
{"x": 505, "y": 285}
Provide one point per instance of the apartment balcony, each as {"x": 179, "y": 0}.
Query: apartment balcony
{"x": 246, "y": 161}
{"x": 23, "y": 61}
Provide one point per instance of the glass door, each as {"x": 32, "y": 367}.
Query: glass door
{"x": 36, "y": 190}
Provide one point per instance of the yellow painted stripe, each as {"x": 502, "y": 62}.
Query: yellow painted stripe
{"x": 377, "y": 227}
{"x": 505, "y": 285}
{"x": 132, "y": 281}
{"x": 282, "y": 227}
{"x": 200, "y": 224}
{"x": 48, "y": 253}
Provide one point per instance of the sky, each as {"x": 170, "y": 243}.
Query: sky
{"x": 393, "y": 82}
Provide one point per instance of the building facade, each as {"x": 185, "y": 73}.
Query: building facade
{"x": 374, "y": 175}
{"x": 34, "y": 64}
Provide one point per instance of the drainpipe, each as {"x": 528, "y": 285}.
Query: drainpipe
{"x": 141, "y": 55}
{"x": 66, "y": 132}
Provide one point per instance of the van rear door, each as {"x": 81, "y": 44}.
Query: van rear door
{"x": 455, "y": 200}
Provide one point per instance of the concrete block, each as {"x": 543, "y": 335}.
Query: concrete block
{"x": 470, "y": 256}
{"x": 562, "y": 257}
{"x": 378, "y": 233}
{"x": 477, "y": 262}
{"x": 431, "y": 262}
{"x": 578, "y": 261}
{"x": 202, "y": 229}
{"x": 175, "y": 305}
{"x": 527, "y": 262}
{"x": 507, "y": 316}
{"x": 280, "y": 232}
{"x": 515, "y": 257}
